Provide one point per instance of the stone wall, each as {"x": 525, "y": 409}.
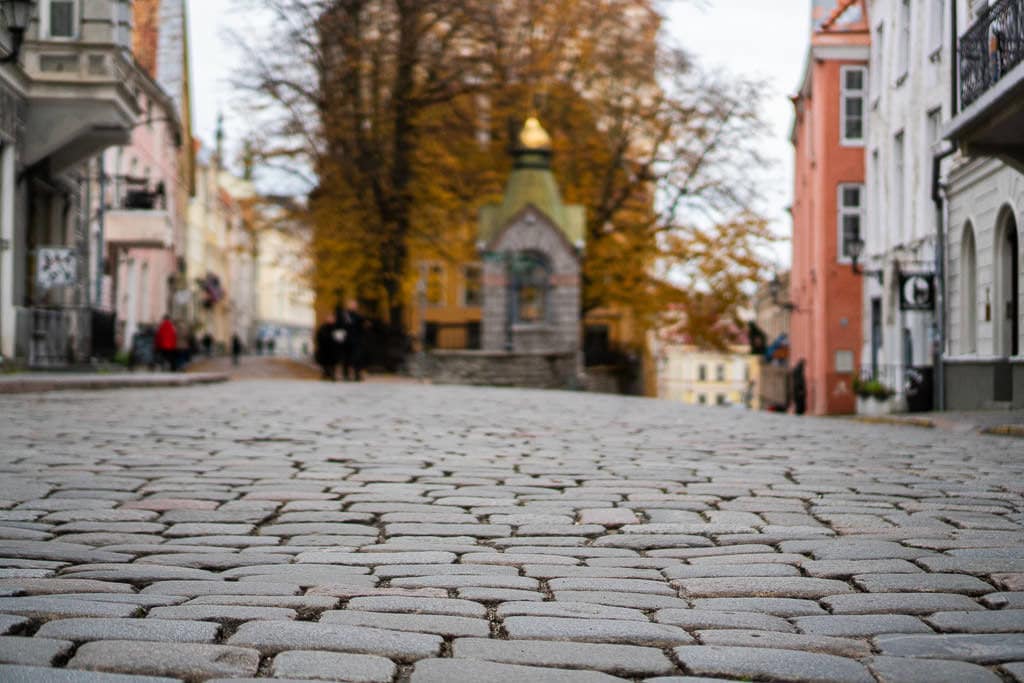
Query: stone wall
{"x": 497, "y": 368}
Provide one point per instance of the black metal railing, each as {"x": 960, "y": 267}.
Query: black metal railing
{"x": 138, "y": 194}
{"x": 991, "y": 48}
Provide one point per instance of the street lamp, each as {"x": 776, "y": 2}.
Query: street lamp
{"x": 16, "y": 15}
{"x": 855, "y": 248}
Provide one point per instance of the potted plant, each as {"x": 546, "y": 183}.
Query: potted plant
{"x": 873, "y": 397}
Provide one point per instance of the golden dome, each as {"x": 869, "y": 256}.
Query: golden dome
{"x": 533, "y": 135}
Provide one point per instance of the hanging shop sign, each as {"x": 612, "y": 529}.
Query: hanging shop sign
{"x": 56, "y": 267}
{"x": 917, "y": 291}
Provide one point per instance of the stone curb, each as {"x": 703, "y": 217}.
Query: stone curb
{"x": 920, "y": 422}
{"x": 46, "y": 383}
{"x": 1005, "y": 430}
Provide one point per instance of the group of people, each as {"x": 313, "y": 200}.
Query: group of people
{"x": 339, "y": 341}
{"x": 173, "y": 350}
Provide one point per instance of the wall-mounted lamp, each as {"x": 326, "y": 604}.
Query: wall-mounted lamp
{"x": 855, "y": 248}
{"x": 16, "y": 15}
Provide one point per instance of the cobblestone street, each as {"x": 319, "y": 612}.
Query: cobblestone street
{"x": 397, "y": 532}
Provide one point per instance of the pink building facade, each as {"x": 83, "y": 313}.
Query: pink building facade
{"x": 828, "y": 136}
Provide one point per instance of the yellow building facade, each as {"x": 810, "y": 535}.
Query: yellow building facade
{"x": 694, "y": 376}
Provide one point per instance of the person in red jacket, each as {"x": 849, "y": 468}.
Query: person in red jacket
{"x": 167, "y": 343}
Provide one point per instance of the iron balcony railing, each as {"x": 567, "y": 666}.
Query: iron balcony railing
{"x": 991, "y": 48}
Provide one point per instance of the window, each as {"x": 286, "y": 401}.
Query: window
{"x": 702, "y": 399}
{"x": 878, "y": 63}
{"x": 899, "y": 184}
{"x": 472, "y": 291}
{"x": 720, "y": 400}
{"x": 60, "y": 18}
{"x": 934, "y": 128}
{"x": 433, "y": 280}
{"x": 903, "y": 54}
{"x": 851, "y": 216}
{"x": 968, "y": 292}
{"x": 531, "y": 277}
{"x": 702, "y": 373}
{"x": 720, "y": 373}
{"x": 936, "y": 27}
{"x": 853, "y": 90}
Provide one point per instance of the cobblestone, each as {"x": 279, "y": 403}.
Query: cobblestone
{"x": 403, "y": 532}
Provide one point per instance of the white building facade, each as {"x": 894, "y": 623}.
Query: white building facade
{"x": 69, "y": 94}
{"x": 985, "y": 191}
{"x": 908, "y": 102}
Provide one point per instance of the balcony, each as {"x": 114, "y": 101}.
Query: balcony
{"x": 81, "y": 100}
{"x": 138, "y": 217}
{"x": 991, "y": 70}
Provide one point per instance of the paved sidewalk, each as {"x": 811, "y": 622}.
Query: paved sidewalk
{"x": 398, "y": 532}
{"x": 995, "y": 422}
{"x": 42, "y": 382}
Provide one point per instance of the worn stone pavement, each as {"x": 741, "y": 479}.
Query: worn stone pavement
{"x": 377, "y": 532}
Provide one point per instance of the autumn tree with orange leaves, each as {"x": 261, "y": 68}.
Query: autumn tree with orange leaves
{"x": 404, "y": 111}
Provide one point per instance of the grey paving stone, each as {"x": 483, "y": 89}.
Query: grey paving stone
{"x": 34, "y": 674}
{"x": 185, "y": 529}
{"x": 844, "y": 647}
{"x": 60, "y": 585}
{"x": 498, "y": 594}
{"x": 631, "y": 600}
{"x": 922, "y": 583}
{"x": 466, "y": 580}
{"x": 271, "y": 637}
{"x": 179, "y": 660}
{"x": 981, "y": 649}
{"x": 47, "y": 607}
{"x": 36, "y": 651}
{"x": 222, "y": 613}
{"x": 418, "y": 623}
{"x": 448, "y": 670}
{"x": 906, "y": 670}
{"x": 373, "y": 559}
{"x": 780, "y": 607}
{"x": 1015, "y": 670}
{"x": 1004, "y": 600}
{"x": 897, "y": 603}
{"x": 608, "y": 517}
{"x": 195, "y": 588}
{"x": 333, "y": 666}
{"x": 716, "y": 570}
{"x": 623, "y": 660}
{"x": 769, "y": 587}
{"x": 11, "y": 624}
{"x": 862, "y": 626}
{"x": 554, "y": 571}
{"x": 138, "y": 573}
{"x": 611, "y": 585}
{"x": 152, "y": 629}
{"x": 571, "y": 610}
{"x": 414, "y": 605}
{"x": 992, "y": 621}
{"x": 296, "y": 602}
{"x": 841, "y": 569}
{"x": 765, "y": 663}
{"x": 595, "y": 630}
{"x": 691, "y": 619}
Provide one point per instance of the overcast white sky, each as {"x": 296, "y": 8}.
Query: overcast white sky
{"x": 765, "y": 39}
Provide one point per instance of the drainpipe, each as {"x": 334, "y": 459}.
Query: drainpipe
{"x": 100, "y": 216}
{"x": 942, "y": 221}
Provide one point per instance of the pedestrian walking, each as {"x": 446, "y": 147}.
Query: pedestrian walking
{"x": 236, "y": 349}
{"x": 327, "y": 348}
{"x": 167, "y": 343}
{"x": 799, "y": 388}
{"x": 352, "y": 347}
{"x": 208, "y": 345}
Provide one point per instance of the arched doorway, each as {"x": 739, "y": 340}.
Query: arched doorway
{"x": 968, "y": 292}
{"x": 1008, "y": 260}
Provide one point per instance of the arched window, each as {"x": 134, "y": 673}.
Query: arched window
{"x": 968, "y": 292}
{"x": 1007, "y": 309}
{"x": 531, "y": 283}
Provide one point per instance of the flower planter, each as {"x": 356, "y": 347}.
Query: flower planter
{"x": 874, "y": 407}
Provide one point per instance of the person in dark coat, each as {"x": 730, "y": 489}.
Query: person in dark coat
{"x": 327, "y": 348}
{"x": 236, "y": 349}
{"x": 352, "y": 323}
{"x": 799, "y": 388}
